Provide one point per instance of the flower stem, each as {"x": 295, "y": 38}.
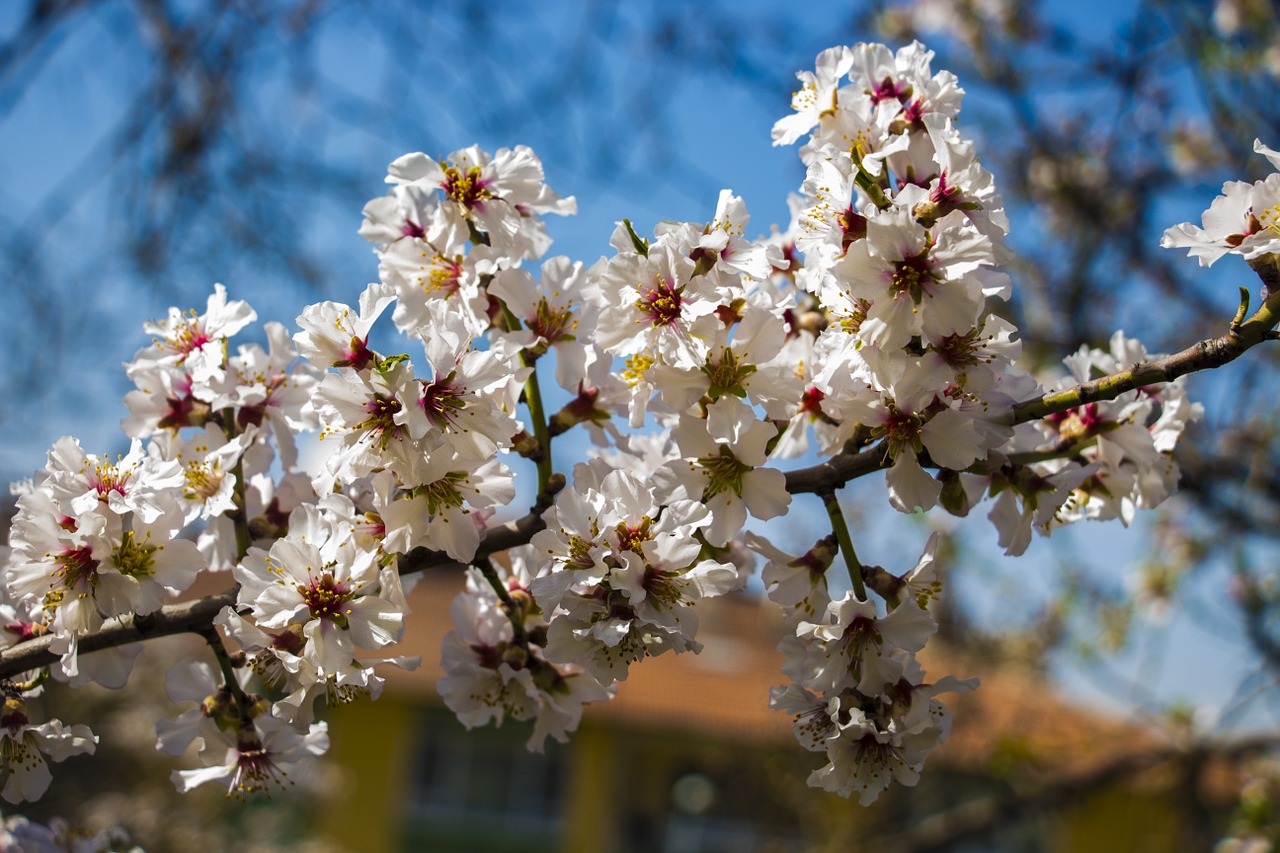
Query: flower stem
{"x": 873, "y": 190}
{"x": 1243, "y": 310}
{"x": 240, "y": 517}
{"x": 214, "y": 639}
{"x": 37, "y": 680}
{"x": 841, "y": 529}
{"x": 515, "y": 613}
{"x": 533, "y": 400}
{"x": 1207, "y": 354}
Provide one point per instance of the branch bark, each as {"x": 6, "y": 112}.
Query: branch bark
{"x": 1207, "y": 354}
{"x": 195, "y": 616}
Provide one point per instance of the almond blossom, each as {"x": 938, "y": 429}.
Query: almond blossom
{"x": 721, "y": 468}
{"x": 195, "y": 342}
{"x": 317, "y": 578}
{"x": 255, "y": 757}
{"x": 1244, "y": 220}
{"x": 497, "y": 195}
{"x": 870, "y": 321}
{"x": 23, "y": 748}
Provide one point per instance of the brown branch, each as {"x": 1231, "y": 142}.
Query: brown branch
{"x": 195, "y": 617}
{"x": 1215, "y": 352}
{"x": 837, "y": 470}
{"x": 501, "y": 537}
{"x": 826, "y": 476}
{"x": 1207, "y": 354}
{"x": 182, "y": 618}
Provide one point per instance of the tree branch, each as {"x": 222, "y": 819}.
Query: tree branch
{"x": 837, "y": 470}
{"x": 185, "y": 617}
{"x": 825, "y": 477}
{"x": 1210, "y": 353}
{"x": 194, "y": 617}
{"x": 1205, "y": 355}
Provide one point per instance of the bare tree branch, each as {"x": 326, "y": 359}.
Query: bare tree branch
{"x": 823, "y": 477}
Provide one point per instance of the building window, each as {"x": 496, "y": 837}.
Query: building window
{"x": 487, "y": 780}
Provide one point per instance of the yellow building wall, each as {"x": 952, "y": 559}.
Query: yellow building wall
{"x": 590, "y": 805}
{"x": 1118, "y": 819}
{"x": 372, "y": 743}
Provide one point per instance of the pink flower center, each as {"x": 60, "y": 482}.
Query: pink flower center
{"x": 289, "y": 640}
{"x": 861, "y": 634}
{"x": 914, "y": 111}
{"x": 469, "y": 188}
{"x": 944, "y": 193}
{"x": 661, "y": 587}
{"x": 661, "y": 302}
{"x": 811, "y": 401}
{"x": 959, "y": 350}
{"x": 632, "y": 537}
{"x": 580, "y": 408}
{"x": 14, "y": 719}
{"x": 901, "y": 430}
{"x": 182, "y": 412}
{"x": 553, "y": 323}
{"x": 1080, "y": 422}
{"x": 911, "y": 276}
{"x": 255, "y": 769}
{"x": 107, "y": 478}
{"x": 373, "y": 525}
{"x": 876, "y": 754}
{"x": 444, "y": 275}
{"x": 381, "y": 420}
{"x": 357, "y": 355}
{"x": 325, "y": 597}
{"x": 76, "y": 567}
{"x": 853, "y": 227}
{"x": 24, "y": 630}
{"x": 189, "y": 337}
{"x": 442, "y": 400}
{"x": 889, "y": 90}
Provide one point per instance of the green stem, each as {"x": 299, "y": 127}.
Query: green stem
{"x": 1243, "y": 309}
{"x": 873, "y": 189}
{"x": 841, "y": 530}
{"x": 515, "y": 613}
{"x": 533, "y": 400}
{"x": 40, "y": 678}
{"x": 244, "y": 538}
{"x": 1204, "y": 355}
{"x": 214, "y": 639}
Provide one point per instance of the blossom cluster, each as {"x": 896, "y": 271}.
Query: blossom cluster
{"x": 698, "y": 360}
{"x": 1244, "y": 220}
